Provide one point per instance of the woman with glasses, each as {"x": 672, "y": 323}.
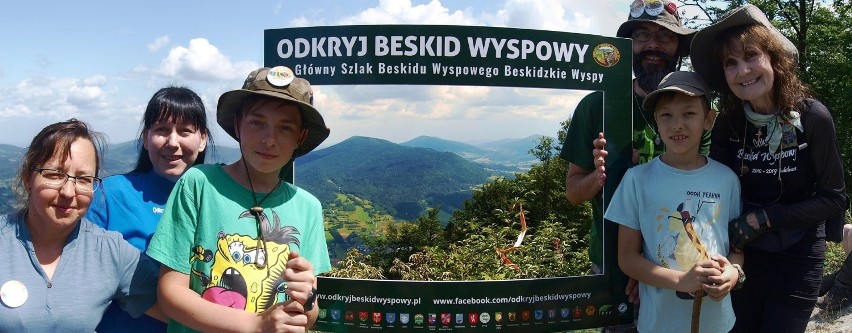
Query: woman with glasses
{"x": 60, "y": 271}
{"x": 174, "y": 138}
{"x": 783, "y": 145}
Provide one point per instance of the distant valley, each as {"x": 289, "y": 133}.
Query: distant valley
{"x": 399, "y": 181}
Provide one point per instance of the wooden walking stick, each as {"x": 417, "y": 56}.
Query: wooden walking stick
{"x": 696, "y": 310}
{"x": 696, "y": 242}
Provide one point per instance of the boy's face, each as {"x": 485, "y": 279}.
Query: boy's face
{"x": 681, "y": 121}
{"x": 269, "y": 132}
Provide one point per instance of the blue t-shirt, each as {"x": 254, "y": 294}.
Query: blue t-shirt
{"x": 96, "y": 268}
{"x": 681, "y": 214}
{"x": 132, "y": 205}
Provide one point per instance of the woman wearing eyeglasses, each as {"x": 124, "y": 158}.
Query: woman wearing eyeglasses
{"x": 783, "y": 145}
{"x": 60, "y": 271}
{"x": 174, "y": 138}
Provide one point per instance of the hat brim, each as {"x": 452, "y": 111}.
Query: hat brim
{"x": 684, "y": 39}
{"x": 703, "y": 59}
{"x": 650, "y": 101}
{"x": 231, "y": 102}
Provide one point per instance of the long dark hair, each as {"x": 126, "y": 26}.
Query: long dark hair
{"x": 175, "y": 105}
{"x": 54, "y": 141}
{"x": 788, "y": 91}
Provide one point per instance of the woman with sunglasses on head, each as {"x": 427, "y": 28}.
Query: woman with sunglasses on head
{"x": 783, "y": 145}
{"x": 174, "y": 137}
{"x": 61, "y": 271}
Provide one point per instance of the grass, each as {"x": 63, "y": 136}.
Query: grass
{"x": 834, "y": 257}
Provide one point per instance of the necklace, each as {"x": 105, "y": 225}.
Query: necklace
{"x": 744, "y": 170}
{"x": 647, "y": 123}
{"x": 257, "y": 211}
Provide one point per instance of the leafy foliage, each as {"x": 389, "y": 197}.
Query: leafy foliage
{"x": 555, "y": 242}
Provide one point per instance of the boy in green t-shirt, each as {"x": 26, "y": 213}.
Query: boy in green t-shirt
{"x": 239, "y": 247}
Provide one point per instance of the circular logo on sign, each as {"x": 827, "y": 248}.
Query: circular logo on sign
{"x": 484, "y": 317}
{"x": 279, "y": 76}
{"x": 606, "y": 55}
{"x": 13, "y": 293}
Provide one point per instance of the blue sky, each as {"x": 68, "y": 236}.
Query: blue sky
{"x": 100, "y": 61}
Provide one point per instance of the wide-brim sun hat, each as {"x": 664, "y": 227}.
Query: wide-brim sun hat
{"x": 687, "y": 83}
{"x": 704, "y": 59}
{"x": 661, "y": 12}
{"x": 277, "y": 82}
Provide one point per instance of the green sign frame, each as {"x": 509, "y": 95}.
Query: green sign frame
{"x": 473, "y": 56}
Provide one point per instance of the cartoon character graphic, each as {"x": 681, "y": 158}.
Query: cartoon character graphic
{"x": 199, "y": 253}
{"x": 681, "y": 247}
{"x": 246, "y": 271}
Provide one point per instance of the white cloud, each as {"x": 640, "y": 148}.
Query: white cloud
{"x": 396, "y": 113}
{"x": 159, "y": 43}
{"x": 556, "y": 15}
{"x": 559, "y": 15}
{"x": 16, "y": 110}
{"x": 82, "y": 97}
{"x": 57, "y": 98}
{"x": 492, "y": 111}
{"x": 399, "y": 113}
{"x": 33, "y": 103}
{"x": 402, "y": 12}
{"x": 97, "y": 80}
{"x": 202, "y": 61}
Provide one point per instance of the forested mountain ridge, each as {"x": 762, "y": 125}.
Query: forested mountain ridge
{"x": 404, "y": 181}
{"x": 400, "y": 179}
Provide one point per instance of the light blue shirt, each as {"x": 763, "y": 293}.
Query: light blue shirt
{"x": 96, "y": 268}
{"x": 681, "y": 214}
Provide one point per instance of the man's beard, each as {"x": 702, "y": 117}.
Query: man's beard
{"x": 649, "y": 76}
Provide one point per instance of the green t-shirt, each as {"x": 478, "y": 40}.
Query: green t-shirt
{"x": 586, "y": 123}
{"x": 208, "y": 233}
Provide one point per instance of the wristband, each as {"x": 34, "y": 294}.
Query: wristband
{"x": 312, "y": 298}
{"x": 763, "y": 224}
{"x": 741, "y": 278}
{"x": 741, "y": 233}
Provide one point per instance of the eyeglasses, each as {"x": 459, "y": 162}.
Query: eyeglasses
{"x": 55, "y": 179}
{"x": 662, "y": 36}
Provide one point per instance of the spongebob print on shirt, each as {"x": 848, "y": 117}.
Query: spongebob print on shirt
{"x": 244, "y": 271}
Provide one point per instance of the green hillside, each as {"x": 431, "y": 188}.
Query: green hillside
{"x": 438, "y": 144}
{"x": 386, "y": 180}
{"x": 403, "y": 181}
{"x": 10, "y": 161}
